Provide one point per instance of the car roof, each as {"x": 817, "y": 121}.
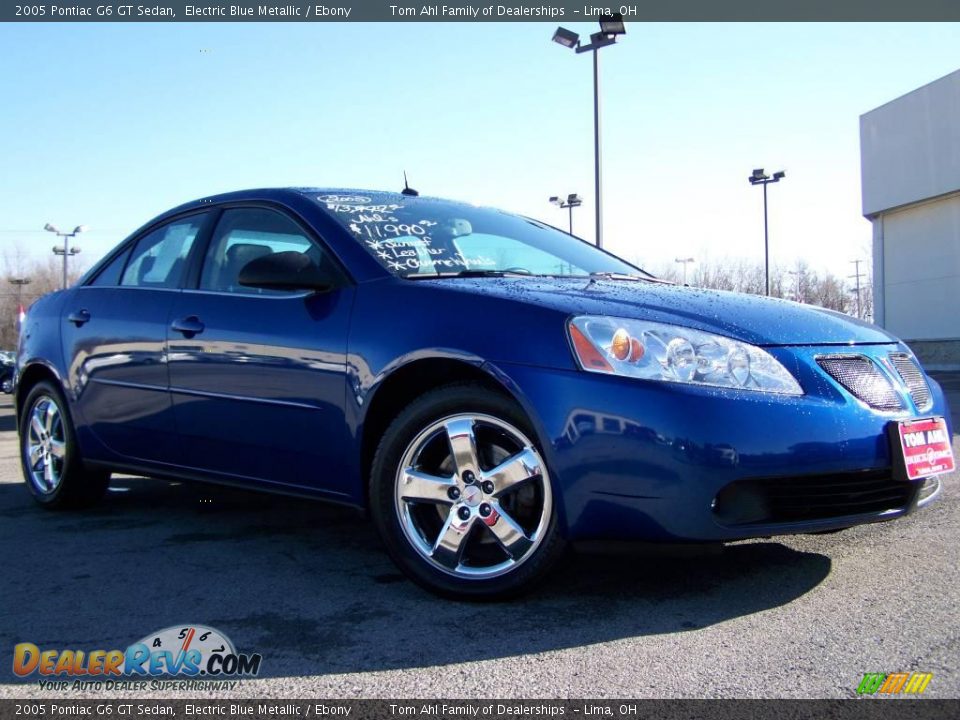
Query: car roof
{"x": 321, "y": 194}
{"x": 293, "y": 197}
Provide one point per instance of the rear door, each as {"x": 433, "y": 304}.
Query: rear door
{"x": 114, "y": 333}
{"x": 258, "y": 377}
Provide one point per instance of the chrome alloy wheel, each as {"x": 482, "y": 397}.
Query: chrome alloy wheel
{"x": 473, "y": 496}
{"x": 46, "y": 445}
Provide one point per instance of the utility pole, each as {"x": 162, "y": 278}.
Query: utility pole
{"x": 856, "y": 264}
{"x": 799, "y": 274}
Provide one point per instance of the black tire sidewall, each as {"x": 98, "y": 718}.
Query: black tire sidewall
{"x": 76, "y": 485}
{"x": 435, "y": 405}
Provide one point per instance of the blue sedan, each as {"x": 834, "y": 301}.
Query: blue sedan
{"x": 487, "y": 387}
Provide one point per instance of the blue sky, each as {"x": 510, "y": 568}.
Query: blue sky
{"x": 110, "y": 124}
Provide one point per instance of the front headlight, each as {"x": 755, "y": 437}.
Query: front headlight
{"x": 656, "y": 351}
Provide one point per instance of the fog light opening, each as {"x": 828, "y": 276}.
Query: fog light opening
{"x": 738, "y": 504}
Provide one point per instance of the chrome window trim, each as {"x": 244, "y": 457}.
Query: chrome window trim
{"x": 293, "y": 296}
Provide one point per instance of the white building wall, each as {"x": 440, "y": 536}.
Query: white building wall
{"x": 910, "y": 147}
{"x": 910, "y": 165}
{"x": 921, "y": 276}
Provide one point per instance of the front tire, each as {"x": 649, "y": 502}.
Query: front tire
{"x": 49, "y": 455}
{"x": 462, "y": 498}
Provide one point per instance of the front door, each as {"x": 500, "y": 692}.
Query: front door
{"x": 258, "y": 377}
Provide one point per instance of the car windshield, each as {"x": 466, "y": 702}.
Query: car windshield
{"x": 415, "y": 237}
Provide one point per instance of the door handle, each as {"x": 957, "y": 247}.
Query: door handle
{"x": 189, "y": 326}
{"x": 79, "y": 317}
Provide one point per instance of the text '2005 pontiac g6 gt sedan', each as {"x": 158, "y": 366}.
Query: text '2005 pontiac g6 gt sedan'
{"x": 487, "y": 387}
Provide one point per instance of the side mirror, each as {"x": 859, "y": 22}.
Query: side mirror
{"x": 286, "y": 271}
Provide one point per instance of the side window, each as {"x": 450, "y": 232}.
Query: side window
{"x": 110, "y": 274}
{"x": 159, "y": 257}
{"x": 245, "y": 234}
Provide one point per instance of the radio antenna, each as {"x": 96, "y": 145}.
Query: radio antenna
{"x": 407, "y": 190}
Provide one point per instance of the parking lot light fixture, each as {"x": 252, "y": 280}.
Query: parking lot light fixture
{"x": 19, "y": 282}
{"x": 567, "y": 38}
{"x": 684, "y": 261}
{"x": 66, "y": 251}
{"x": 759, "y": 177}
{"x": 611, "y": 26}
{"x": 569, "y": 203}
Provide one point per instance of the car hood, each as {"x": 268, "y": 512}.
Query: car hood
{"x": 748, "y": 318}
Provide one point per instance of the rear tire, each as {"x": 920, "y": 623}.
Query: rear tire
{"x": 462, "y": 497}
{"x": 49, "y": 455}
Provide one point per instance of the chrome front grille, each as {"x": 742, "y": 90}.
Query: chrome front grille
{"x": 913, "y": 378}
{"x": 863, "y": 379}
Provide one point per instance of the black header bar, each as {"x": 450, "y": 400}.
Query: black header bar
{"x": 409, "y": 11}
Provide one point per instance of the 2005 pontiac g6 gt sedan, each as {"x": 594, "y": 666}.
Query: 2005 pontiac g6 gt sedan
{"x": 488, "y": 387}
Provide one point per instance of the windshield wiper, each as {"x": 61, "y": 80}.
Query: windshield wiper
{"x": 624, "y": 276}
{"x": 469, "y": 274}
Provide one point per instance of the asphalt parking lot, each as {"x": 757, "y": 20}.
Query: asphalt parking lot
{"x": 307, "y": 586}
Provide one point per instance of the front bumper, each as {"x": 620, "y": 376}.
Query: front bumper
{"x": 647, "y": 460}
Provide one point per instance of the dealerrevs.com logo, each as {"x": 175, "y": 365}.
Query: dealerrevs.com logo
{"x": 184, "y": 651}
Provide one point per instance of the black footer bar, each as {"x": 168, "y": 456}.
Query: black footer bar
{"x": 860, "y": 709}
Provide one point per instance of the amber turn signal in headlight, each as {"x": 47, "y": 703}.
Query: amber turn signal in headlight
{"x": 657, "y": 351}
{"x": 626, "y": 348}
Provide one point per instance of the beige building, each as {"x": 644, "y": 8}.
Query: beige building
{"x": 910, "y": 168}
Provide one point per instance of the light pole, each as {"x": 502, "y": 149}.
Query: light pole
{"x": 684, "y": 261}
{"x": 760, "y": 178}
{"x": 66, "y": 250}
{"x": 572, "y": 200}
{"x": 610, "y": 27}
{"x": 19, "y": 282}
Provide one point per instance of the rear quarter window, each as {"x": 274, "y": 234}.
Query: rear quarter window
{"x": 109, "y": 275}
